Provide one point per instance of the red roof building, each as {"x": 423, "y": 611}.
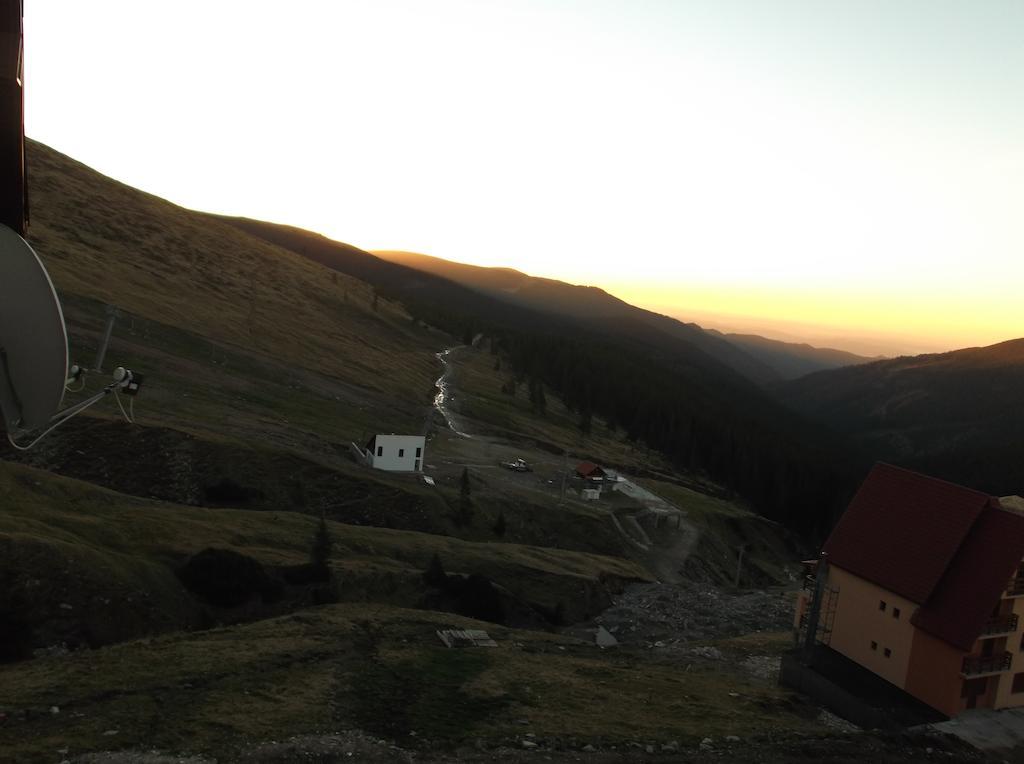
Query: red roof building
{"x": 590, "y": 471}
{"x": 927, "y": 590}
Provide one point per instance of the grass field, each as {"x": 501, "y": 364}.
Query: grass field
{"x": 378, "y": 668}
{"x": 109, "y": 243}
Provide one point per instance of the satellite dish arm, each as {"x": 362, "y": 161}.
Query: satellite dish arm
{"x": 124, "y": 379}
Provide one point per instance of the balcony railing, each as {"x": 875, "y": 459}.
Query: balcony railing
{"x": 1016, "y": 586}
{"x": 1000, "y": 624}
{"x": 986, "y": 664}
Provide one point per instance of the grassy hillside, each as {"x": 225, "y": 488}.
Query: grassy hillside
{"x": 260, "y": 365}
{"x": 95, "y": 566}
{"x": 187, "y": 272}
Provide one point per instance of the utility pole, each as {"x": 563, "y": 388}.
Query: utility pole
{"x": 112, "y": 315}
{"x": 739, "y": 566}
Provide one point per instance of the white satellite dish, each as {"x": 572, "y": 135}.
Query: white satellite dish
{"x": 33, "y": 340}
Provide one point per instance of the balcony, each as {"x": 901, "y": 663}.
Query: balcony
{"x": 975, "y": 665}
{"x": 1016, "y": 586}
{"x": 1000, "y": 625}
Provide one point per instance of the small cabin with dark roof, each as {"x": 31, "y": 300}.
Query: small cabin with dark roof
{"x": 590, "y": 471}
{"x": 926, "y": 585}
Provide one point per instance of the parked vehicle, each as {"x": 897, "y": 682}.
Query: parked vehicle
{"x": 517, "y": 465}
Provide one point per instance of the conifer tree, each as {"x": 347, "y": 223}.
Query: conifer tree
{"x": 320, "y": 555}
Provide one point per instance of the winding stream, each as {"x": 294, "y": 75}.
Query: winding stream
{"x": 444, "y": 395}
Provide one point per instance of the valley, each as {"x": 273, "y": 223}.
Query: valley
{"x": 469, "y": 383}
{"x": 159, "y": 580}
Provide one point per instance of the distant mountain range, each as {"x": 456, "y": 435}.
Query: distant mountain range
{"x": 957, "y": 415}
{"x": 791, "y": 360}
{"x": 759, "y": 359}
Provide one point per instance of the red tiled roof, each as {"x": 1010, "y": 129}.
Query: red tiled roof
{"x": 588, "y": 468}
{"x": 902, "y": 530}
{"x": 963, "y": 600}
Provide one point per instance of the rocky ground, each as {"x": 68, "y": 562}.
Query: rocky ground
{"x": 346, "y": 746}
{"x": 670, "y": 617}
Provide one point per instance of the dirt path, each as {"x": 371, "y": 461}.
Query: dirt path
{"x": 666, "y": 538}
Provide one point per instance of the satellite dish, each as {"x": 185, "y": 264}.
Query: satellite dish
{"x": 33, "y": 340}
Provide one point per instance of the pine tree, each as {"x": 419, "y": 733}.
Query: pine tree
{"x": 434, "y": 575}
{"x": 320, "y": 554}
{"x": 465, "y": 513}
{"x": 499, "y": 525}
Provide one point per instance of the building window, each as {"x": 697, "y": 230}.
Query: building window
{"x": 887, "y": 652}
{"x": 895, "y": 612}
{"x": 881, "y": 605}
{"x": 874, "y": 645}
{"x": 419, "y": 452}
{"x": 401, "y": 453}
{"x": 1018, "y": 683}
{"x": 380, "y": 450}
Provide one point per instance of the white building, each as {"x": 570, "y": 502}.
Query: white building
{"x": 396, "y": 453}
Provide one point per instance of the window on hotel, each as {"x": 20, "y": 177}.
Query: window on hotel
{"x": 874, "y": 645}
{"x": 419, "y": 452}
{"x": 895, "y": 612}
{"x": 1018, "y": 683}
{"x": 380, "y": 450}
{"x": 881, "y": 605}
{"x": 888, "y": 653}
{"x": 401, "y": 453}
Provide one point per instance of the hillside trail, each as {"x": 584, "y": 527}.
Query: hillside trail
{"x": 658, "y": 535}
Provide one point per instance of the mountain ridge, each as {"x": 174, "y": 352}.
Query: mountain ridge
{"x": 760, "y": 359}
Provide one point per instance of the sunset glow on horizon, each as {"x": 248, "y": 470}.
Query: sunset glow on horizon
{"x": 832, "y": 172}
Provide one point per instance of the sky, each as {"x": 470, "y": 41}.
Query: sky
{"x": 849, "y": 173}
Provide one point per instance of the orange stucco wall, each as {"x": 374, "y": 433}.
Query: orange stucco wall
{"x": 934, "y": 673}
{"x": 859, "y": 621}
{"x": 1005, "y": 696}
